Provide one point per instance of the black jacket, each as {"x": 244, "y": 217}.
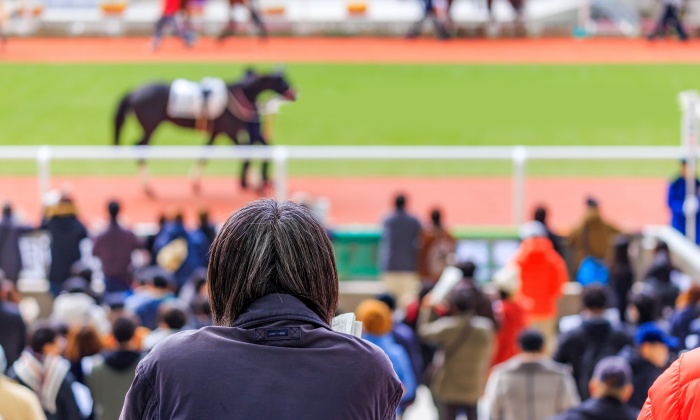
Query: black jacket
{"x": 66, "y": 233}
{"x": 583, "y": 347}
{"x": 278, "y": 361}
{"x": 13, "y": 332}
{"x": 599, "y": 409}
{"x": 644, "y": 373}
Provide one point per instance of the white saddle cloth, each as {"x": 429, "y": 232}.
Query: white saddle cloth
{"x": 187, "y": 99}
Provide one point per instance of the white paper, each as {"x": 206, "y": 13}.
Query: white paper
{"x": 448, "y": 280}
{"x": 344, "y": 323}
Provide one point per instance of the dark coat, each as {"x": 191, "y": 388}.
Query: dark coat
{"x": 400, "y": 242}
{"x": 644, "y": 373}
{"x": 681, "y": 322}
{"x": 676, "y": 197}
{"x": 66, "y": 233}
{"x": 583, "y": 347}
{"x": 599, "y": 409}
{"x": 279, "y": 360}
{"x": 13, "y": 332}
{"x": 66, "y": 406}
{"x": 10, "y": 256}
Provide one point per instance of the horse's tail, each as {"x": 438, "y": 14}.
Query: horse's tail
{"x": 122, "y": 110}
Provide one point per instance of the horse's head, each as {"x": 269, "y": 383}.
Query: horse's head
{"x": 279, "y": 84}
{"x": 254, "y": 84}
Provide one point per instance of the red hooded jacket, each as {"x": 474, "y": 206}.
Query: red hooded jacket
{"x": 676, "y": 393}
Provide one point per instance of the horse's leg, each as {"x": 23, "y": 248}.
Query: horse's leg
{"x": 149, "y": 124}
{"x": 199, "y": 167}
{"x": 257, "y": 138}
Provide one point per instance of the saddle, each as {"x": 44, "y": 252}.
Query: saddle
{"x": 202, "y": 101}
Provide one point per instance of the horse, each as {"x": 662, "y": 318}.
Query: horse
{"x": 149, "y": 103}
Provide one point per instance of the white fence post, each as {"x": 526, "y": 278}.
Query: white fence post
{"x": 43, "y": 161}
{"x": 519, "y": 163}
{"x": 689, "y": 139}
{"x": 280, "y": 155}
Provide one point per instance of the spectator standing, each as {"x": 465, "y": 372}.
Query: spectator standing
{"x": 687, "y": 312}
{"x": 676, "y": 200}
{"x": 42, "y": 369}
{"x": 17, "y": 402}
{"x": 66, "y": 232}
{"x": 658, "y": 281}
{"x": 437, "y": 247}
{"x": 647, "y": 360}
{"x": 621, "y": 277}
{"x": 583, "y": 347}
{"x": 13, "y": 331}
{"x": 114, "y": 247}
{"x": 468, "y": 287}
{"x": 671, "y": 16}
{"x": 207, "y": 230}
{"x": 10, "y": 232}
{"x": 530, "y": 385}
{"x": 151, "y": 239}
{"x": 611, "y": 388}
{"x": 430, "y": 13}
{"x": 377, "y": 325}
{"x": 557, "y": 241}
{"x": 465, "y": 345}
{"x": 172, "y": 320}
{"x": 273, "y": 285}
{"x": 593, "y": 237}
{"x": 180, "y": 260}
{"x": 643, "y": 309}
{"x": 675, "y": 393}
{"x": 113, "y": 371}
{"x": 510, "y": 314}
{"x": 398, "y": 253}
{"x": 542, "y": 275}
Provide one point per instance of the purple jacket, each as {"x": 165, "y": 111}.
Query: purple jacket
{"x": 278, "y": 361}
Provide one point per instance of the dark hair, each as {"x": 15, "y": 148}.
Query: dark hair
{"x": 468, "y": 269}
{"x": 462, "y": 302}
{"x": 388, "y": 299}
{"x": 179, "y": 218}
{"x": 123, "y": 329}
{"x": 113, "y": 209}
{"x": 175, "y": 318}
{"x": 540, "y": 215}
{"x": 400, "y": 202}
{"x": 203, "y": 217}
{"x": 44, "y": 333}
{"x": 7, "y": 209}
{"x": 647, "y": 307}
{"x": 591, "y": 203}
{"x": 159, "y": 281}
{"x": 271, "y": 247}
{"x": 436, "y": 217}
{"x": 595, "y": 297}
{"x": 531, "y": 341}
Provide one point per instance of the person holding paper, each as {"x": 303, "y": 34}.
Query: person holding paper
{"x": 271, "y": 353}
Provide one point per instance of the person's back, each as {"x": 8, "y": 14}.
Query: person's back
{"x": 270, "y": 354}
{"x": 66, "y": 233}
{"x": 13, "y": 332}
{"x": 10, "y": 255}
{"x": 399, "y": 242}
{"x": 114, "y": 247}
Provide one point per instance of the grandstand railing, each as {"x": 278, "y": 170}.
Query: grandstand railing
{"x": 281, "y": 155}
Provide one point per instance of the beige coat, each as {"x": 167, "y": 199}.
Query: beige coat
{"x": 460, "y": 378}
{"x": 18, "y": 402}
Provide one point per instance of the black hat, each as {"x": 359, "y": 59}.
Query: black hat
{"x": 613, "y": 371}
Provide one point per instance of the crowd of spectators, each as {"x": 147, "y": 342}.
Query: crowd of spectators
{"x": 495, "y": 350}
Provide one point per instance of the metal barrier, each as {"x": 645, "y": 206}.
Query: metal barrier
{"x": 281, "y": 155}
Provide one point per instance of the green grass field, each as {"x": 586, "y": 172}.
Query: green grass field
{"x": 372, "y": 105}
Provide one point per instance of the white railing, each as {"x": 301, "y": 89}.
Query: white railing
{"x": 281, "y": 155}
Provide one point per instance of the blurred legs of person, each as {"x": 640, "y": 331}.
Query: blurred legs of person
{"x": 230, "y": 28}
{"x": 181, "y": 31}
{"x": 429, "y": 13}
{"x": 670, "y": 16}
{"x": 451, "y": 411}
{"x": 404, "y": 285}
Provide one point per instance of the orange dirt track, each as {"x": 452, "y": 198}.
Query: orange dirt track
{"x": 466, "y": 201}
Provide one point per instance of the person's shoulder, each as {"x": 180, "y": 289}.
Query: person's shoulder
{"x": 482, "y": 324}
{"x": 556, "y": 367}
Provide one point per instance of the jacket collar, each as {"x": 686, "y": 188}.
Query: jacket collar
{"x": 277, "y": 307}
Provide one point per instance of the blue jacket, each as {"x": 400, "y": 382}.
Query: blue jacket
{"x": 676, "y": 197}
{"x": 278, "y": 361}
{"x": 196, "y": 251}
{"x": 399, "y": 360}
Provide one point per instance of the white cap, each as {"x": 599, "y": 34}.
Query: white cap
{"x": 533, "y": 230}
{"x": 507, "y": 279}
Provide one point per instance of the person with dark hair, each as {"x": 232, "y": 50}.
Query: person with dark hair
{"x": 610, "y": 389}
{"x": 16, "y": 401}
{"x": 688, "y": 310}
{"x": 206, "y": 229}
{"x": 145, "y": 302}
{"x": 542, "y": 275}
{"x": 657, "y": 279}
{"x": 596, "y": 338}
{"x": 171, "y": 320}
{"x": 621, "y": 276}
{"x": 273, "y": 286}
{"x": 113, "y": 248}
{"x": 398, "y": 253}
{"x": 13, "y": 331}
{"x": 468, "y": 286}
{"x": 466, "y": 342}
{"x": 42, "y": 369}
{"x": 523, "y": 387}
{"x": 10, "y": 233}
{"x": 648, "y": 359}
{"x": 643, "y": 309}
{"x": 113, "y": 371}
{"x": 437, "y": 247}
{"x": 77, "y": 306}
{"x": 593, "y": 238}
{"x": 81, "y": 341}
{"x": 540, "y": 215}
{"x": 510, "y": 314}
{"x": 61, "y": 222}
